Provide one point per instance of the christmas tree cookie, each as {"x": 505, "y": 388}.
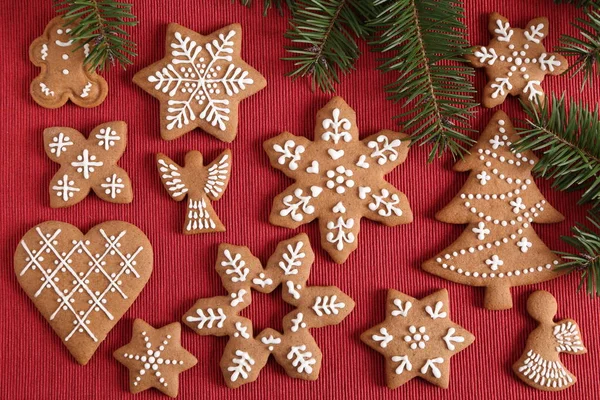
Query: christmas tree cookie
{"x": 200, "y": 82}
{"x": 516, "y": 61}
{"x": 499, "y": 202}
{"x": 295, "y": 349}
{"x": 540, "y": 365}
{"x": 339, "y": 179}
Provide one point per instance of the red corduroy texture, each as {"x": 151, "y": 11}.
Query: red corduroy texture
{"x": 35, "y": 364}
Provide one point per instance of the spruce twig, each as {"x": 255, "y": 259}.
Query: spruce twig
{"x": 100, "y": 23}
{"x": 580, "y": 3}
{"x": 586, "y": 49}
{"x": 424, "y": 43}
{"x": 268, "y": 4}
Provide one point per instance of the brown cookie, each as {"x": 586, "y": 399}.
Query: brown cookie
{"x": 155, "y": 358}
{"x": 83, "y": 284}
{"x": 200, "y": 184}
{"x": 540, "y": 365}
{"x": 516, "y": 61}
{"x": 88, "y": 164}
{"x": 339, "y": 179}
{"x": 295, "y": 349}
{"x": 499, "y": 202}
{"x": 417, "y": 338}
{"x": 200, "y": 82}
{"x": 64, "y": 75}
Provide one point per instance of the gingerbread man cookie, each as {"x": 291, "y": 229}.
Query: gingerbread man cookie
{"x": 64, "y": 75}
{"x": 516, "y": 61}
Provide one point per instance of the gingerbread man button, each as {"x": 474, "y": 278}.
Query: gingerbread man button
{"x": 64, "y": 75}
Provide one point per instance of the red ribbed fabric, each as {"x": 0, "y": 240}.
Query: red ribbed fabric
{"x": 35, "y": 365}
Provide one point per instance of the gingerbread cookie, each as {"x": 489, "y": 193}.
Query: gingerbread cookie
{"x": 88, "y": 164}
{"x": 516, "y": 61}
{"x": 540, "y": 365}
{"x": 417, "y": 338}
{"x": 200, "y": 82}
{"x": 83, "y": 284}
{"x": 295, "y": 349}
{"x": 200, "y": 184}
{"x": 155, "y": 358}
{"x": 339, "y": 179}
{"x": 64, "y": 75}
{"x": 499, "y": 202}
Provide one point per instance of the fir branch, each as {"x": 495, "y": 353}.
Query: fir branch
{"x": 268, "y": 4}
{"x": 323, "y": 32}
{"x": 100, "y": 23}
{"x": 580, "y": 3}
{"x": 569, "y": 138}
{"x": 587, "y": 261}
{"x": 424, "y": 43}
{"x": 585, "y": 49}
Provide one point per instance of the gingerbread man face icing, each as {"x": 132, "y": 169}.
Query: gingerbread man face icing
{"x": 63, "y": 76}
{"x": 516, "y": 61}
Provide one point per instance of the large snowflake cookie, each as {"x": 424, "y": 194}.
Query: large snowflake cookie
{"x": 516, "y": 61}
{"x": 200, "y": 184}
{"x": 499, "y": 202}
{"x": 539, "y": 365}
{"x": 417, "y": 338}
{"x": 64, "y": 75}
{"x": 83, "y": 284}
{"x": 295, "y": 349}
{"x": 339, "y": 179}
{"x": 200, "y": 82}
{"x": 155, "y": 358}
{"x": 88, "y": 164}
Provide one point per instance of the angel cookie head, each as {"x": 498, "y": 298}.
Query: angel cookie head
{"x": 64, "y": 75}
{"x": 516, "y": 61}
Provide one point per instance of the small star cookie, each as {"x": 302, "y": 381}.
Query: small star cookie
{"x": 155, "y": 358}
{"x": 516, "y": 61}
{"x": 417, "y": 338}
{"x": 200, "y": 82}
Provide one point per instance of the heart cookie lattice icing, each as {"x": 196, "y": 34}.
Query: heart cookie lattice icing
{"x": 83, "y": 284}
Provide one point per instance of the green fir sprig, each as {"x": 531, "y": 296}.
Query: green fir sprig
{"x": 586, "y": 48}
{"x": 100, "y": 23}
{"x": 423, "y": 43}
{"x": 580, "y": 3}
{"x": 268, "y": 4}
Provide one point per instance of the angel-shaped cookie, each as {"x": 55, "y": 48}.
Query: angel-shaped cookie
{"x": 200, "y": 184}
{"x": 88, "y": 164}
{"x": 540, "y": 365}
{"x": 64, "y": 75}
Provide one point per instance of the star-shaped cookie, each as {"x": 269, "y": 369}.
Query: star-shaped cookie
{"x": 516, "y": 61}
{"x": 155, "y": 358}
{"x": 200, "y": 82}
{"x": 417, "y": 338}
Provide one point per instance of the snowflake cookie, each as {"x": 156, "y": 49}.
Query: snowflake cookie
{"x": 339, "y": 179}
{"x": 200, "y": 82}
{"x": 200, "y": 184}
{"x": 88, "y": 164}
{"x": 499, "y": 202}
{"x": 417, "y": 338}
{"x": 540, "y": 365}
{"x": 83, "y": 284}
{"x": 295, "y": 349}
{"x": 155, "y": 358}
{"x": 516, "y": 61}
{"x": 64, "y": 76}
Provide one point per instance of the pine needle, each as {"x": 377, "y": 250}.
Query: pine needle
{"x": 324, "y": 32}
{"x": 268, "y": 4}
{"x": 100, "y": 23}
{"x": 424, "y": 43}
{"x": 580, "y": 3}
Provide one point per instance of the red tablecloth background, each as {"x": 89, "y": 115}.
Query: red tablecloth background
{"x": 34, "y": 363}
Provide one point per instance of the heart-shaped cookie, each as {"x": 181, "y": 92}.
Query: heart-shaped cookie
{"x": 83, "y": 284}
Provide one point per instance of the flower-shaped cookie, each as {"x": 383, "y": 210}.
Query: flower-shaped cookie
{"x": 339, "y": 179}
{"x": 516, "y": 61}
{"x": 88, "y": 164}
{"x": 295, "y": 349}
{"x": 417, "y": 338}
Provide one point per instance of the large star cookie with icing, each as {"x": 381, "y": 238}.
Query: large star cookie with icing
{"x": 417, "y": 338}
{"x": 516, "y": 61}
{"x": 200, "y": 82}
{"x": 339, "y": 179}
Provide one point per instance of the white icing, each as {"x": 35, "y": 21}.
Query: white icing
{"x": 313, "y": 168}
{"x": 293, "y": 289}
{"x": 44, "y": 51}
{"x": 172, "y": 176}
{"x": 533, "y": 91}
{"x": 242, "y": 365}
{"x": 238, "y": 297}
{"x": 335, "y": 154}
{"x": 548, "y": 64}
{"x": 387, "y": 152}
{"x": 113, "y": 186}
{"x": 483, "y": 178}
{"x": 299, "y": 203}
{"x": 339, "y": 179}
{"x": 86, "y": 163}
{"x": 404, "y": 364}
{"x": 437, "y": 312}
{"x": 59, "y": 144}
{"x": 431, "y": 365}
{"x": 402, "y": 310}
{"x": 85, "y": 92}
{"x": 46, "y": 90}
{"x": 198, "y": 216}
{"x": 340, "y": 232}
{"x": 503, "y": 32}
{"x": 292, "y": 259}
{"x": 236, "y": 266}
{"x": 289, "y": 150}
{"x": 384, "y": 339}
{"x": 363, "y": 191}
{"x": 339, "y": 208}
{"x": 297, "y": 322}
{"x": 534, "y": 34}
{"x": 450, "y": 338}
{"x": 65, "y": 188}
{"x": 486, "y": 55}
{"x": 336, "y": 124}
{"x": 218, "y": 173}
{"x": 524, "y": 244}
{"x": 327, "y": 305}
{"x": 270, "y": 341}
{"x": 568, "y": 337}
{"x": 241, "y": 330}
{"x": 494, "y": 262}
{"x": 417, "y": 338}
{"x": 261, "y": 281}
{"x": 301, "y": 359}
{"x": 481, "y": 231}
{"x": 551, "y": 374}
{"x": 208, "y": 317}
{"x": 362, "y": 162}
